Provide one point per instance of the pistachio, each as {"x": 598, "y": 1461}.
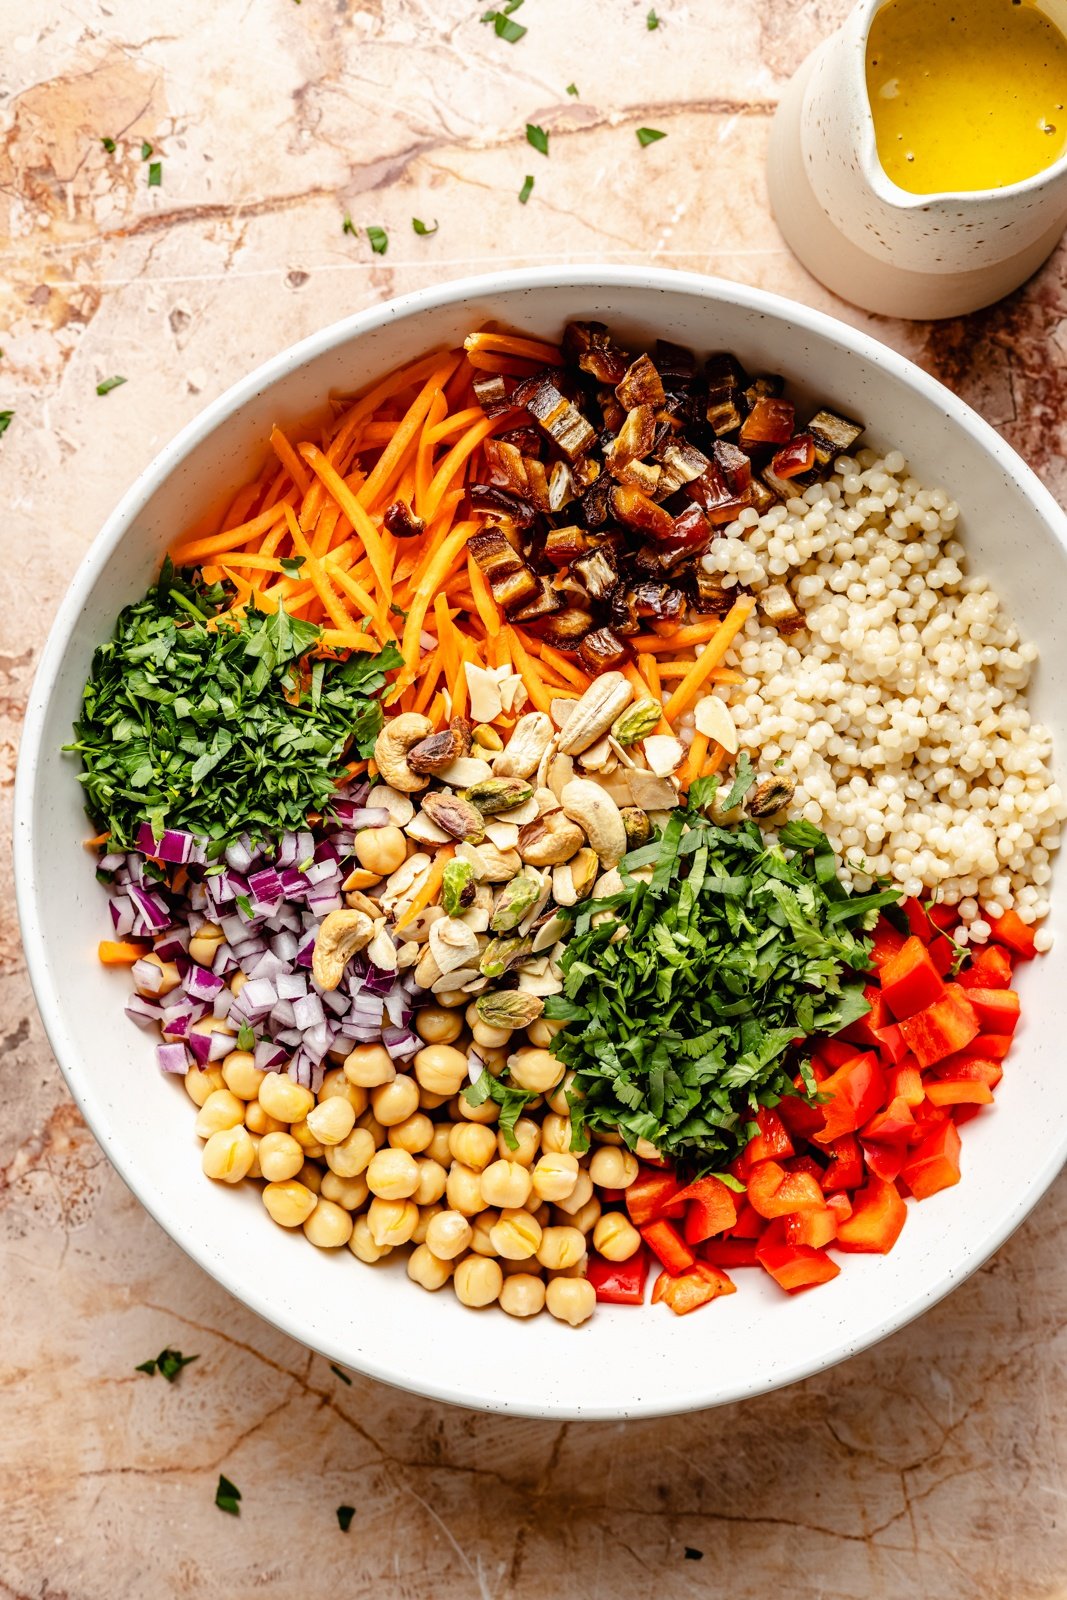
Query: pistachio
{"x": 456, "y": 816}
{"x": 441, "y": 749}
{"x": 515, "y": 900}
{"x": 587, "y": 804}
{"x": 500, "y": 954}
{"x": 529, "y": 740}
{"x": 457, "y": 887}
{"x": 595, "y": 712}
{"x": 549, "y": 840}
{"x": 638, "y": 828}
{"x": 770, "y": 795}
{"x": 636, "y": 721}
{"x": 487, "y": 738}
{"x": 494, "y": 795}
{"x": 572, "y": 880}
{"x": 508, "y": 1009}
{"x": 341, "y": 934}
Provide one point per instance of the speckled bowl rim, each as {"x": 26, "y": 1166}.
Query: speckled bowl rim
{"x": 819, "y": 326}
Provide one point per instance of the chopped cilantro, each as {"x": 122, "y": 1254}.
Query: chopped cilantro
{"x": 379, "y": 240}
{"x": 5, "y": 420}
{"x": 106, "y": 386}
{"x": 155, "y": 174}
{"x": 537, "y": 137}
{"x": 649, "y": 136}
{"x": 339, "y": 1372}
{"x": 109, "y": 145}
{"x": 246, "y": 1038}
{"x": 348, "y": 226}
{"x": 651, "y": 22}
{"x": 572, "y": 88}
{"x": 168, "y": 1364}
{"x": 423, "y": 229}
{"x": 744, "y": 778}
{"x": 737, "y": 947}
{"x": 398, "y": 611}
{"x": 527, "y": 189}
{"x": 344, "y": 1517}
{"x": 292, "y": 564}
{"x": 146, "y": 149}
{"x": 512, "y": 1102}
{"x": 244, "y": 905}
{"x": 227, "y": 1496}
{"x": 502, "y": 23}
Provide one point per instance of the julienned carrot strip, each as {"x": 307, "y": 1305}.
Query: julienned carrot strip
{"x": 513, "y": 344}
{"x": 701, "y": 670}
{"x": 455, "y": 544}
{"x": 337, "y": 612}
{"x": 446, "y": 639}
{"x": 97, "y": 840}
{"x": 455, "y": 461}
{"x": 387, "y": 465}
{"x": 289, "y": 459}
{"x": 510, "y": 366}
{"x": 458, "y": 689}
{"x": 184, "y": 555}
{"x": 693, "y": 764}
{"x": 349, "y": 639}
{"x": 678, "y": 669}
{"x": 714, "y": 762}
{"x": 640, "y": 687}
{"x": 564, "y": 667}
{"x": 668, "y": 643}
{"x": 356, "y": 592}
{"x": 429, "y": 676}
{"x": 274, "y": 492}
{"x": 358, "y": 408}
{"x": 424, "y": 455}
{"x": 650, "y": 672}
{"x": 240, "y": 507}
{"x": 484, "y": 603}
{"x": 438, "y": 709}
{"x": 429, "y": 887}
{"x": 119, "y": 953}
{"x": 527, "y": 669}
{"x": 353, "y": 510}
{"x": 455, "y": 423}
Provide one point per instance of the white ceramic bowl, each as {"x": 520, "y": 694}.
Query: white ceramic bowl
{"x": 624, "y": 1362}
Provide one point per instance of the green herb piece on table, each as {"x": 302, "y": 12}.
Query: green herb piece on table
{"x": 651, "y": 22}
{"x": 227, "y": 1496}
{"x": 155, "y": 174}
{"x": 647, "y": 136}
{"x": 348, "y": 226}
{"x": 379, "y": 240}
{"x": 344, "y": 1517}
{"x": 109, "y": 145}
{"x": 423, "y": 229}
{"x": 503, "y": 25}
{"x": 168, "y": 1364}
{"x": 572, "y": 88}
{"x": 106, "y": 386}
{"x": 537, "y": 137}
{"x": 339, "y": 1372}
{"x": 527, "y": 189}
{"x": 146, "y": 149}
{"x": 737, "y": 947}
{"x": 5, "y": 420}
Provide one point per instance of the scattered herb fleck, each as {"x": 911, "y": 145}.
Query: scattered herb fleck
{"x": 502, "y": 23}
{"x": 692, "y": 1554}
{"x": 344, "y": 1517}
{"x": 146, "y": 149}
{"x": 109, "y": 145}
{"x": 537, "y": 137}
{"x": 291, "y": 564}
{"x": 339, "y": 1372}
{"x": 572, "y": 88}
{"x": 348, "y": 226}
{"x": 246, "y": 1038}
{"x": 379, "y": 240}
{"x": 423, "y": 229}
{"x": 227, "y": 1496}
{"x": 651, "y": 22}
{"x": 512, "y": 1102}
{"x": 106, "y": 386}
{"x": 398, "y": 611}
{"x": 649, "y": 136}
{"x": 5, "y": 420}
{"x": 155, "y": 174}
{"x": 527, "y": 189}
{"x": 168, "y": 1364}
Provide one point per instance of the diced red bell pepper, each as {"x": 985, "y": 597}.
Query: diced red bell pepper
{"x": 934, "y": 1164}
{"x": 942, "y": 1029}
{"x": 885, "y": 1161}
{"x": 990, "y": 1046}
{"x": 905, "y": 1083}
{"x": 619, "y": 1283}
{"x": 1010, "y": 929}
{"x": 919, "y": 924}
{"x": 774, "y": 1192}
{"x": 865, "y": 1031}
{"x": 891, "y": 1043}
{"x": 794, "y": 1266}
{"x": 730, "y": 1252}
{"x": 806, "y": 1164}
{"x": 668, "y": 1246}
{"x": 840, "y": 1205}
{"x": 909, "y": 980}
{"x": 967, "y": 1069}
{"x": 959, "y": 1092}
{"x": 943, "y": 916}
{"x": 857, "y": 1089}
{"x": 749, "y": 1224}
{"x": 710, "y": 1208}
{"x": 886, "y": 940}
{"x": 816, "y": 1228}
{"x": 942, "y": 953}
{"x": 878, "y": 1214}
{"x": 800, "y": 1117}
{"x": 611, "y": 1197}
{"x": 649, "y": 1195}
{"x": 894, "y": 1124}
{"x": 845, "y": 1169}
{"x": 686, "y": 1291}
{"x": 997, "y": 1010}
{"x": 990, "y": 969}
{"x": 772, "y": 1143}
{"x": 836, "y": 1052}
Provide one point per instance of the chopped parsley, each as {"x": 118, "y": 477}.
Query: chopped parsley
{"x": 537, "y": 137}
{"x": 109, "y": 145}
{"x": 379, "y": 240}
{"x": 5, "y": 420}
{"x": 339, "y": 1372}
{"x": 106, "y": 386}
{"x": 502, "y": 23}
{"x": 649, "y": 136}
{"x": 155, "y": 174}
{"x": 512, "y": 1102}
{"x": 291, "y": 565}
{"x": 651, "y": 22}
{"x": 168, "y": 1364}
{"x": 146, "y": 149}
{"x": 572, "y": 88}
{"x": 246, "y": 1038}
{"x": 348, "y": 226}
{"x": 423, "y": 229}
{"x": 344, "y": 1517}
{"x": 227, "y": 1496}
{"x": 527, "y": 189}
{"x": 737, "y": 947}
{"x": 220, "y": 730}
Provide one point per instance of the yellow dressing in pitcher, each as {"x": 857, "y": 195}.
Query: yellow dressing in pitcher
{"x": 966, "y": 94}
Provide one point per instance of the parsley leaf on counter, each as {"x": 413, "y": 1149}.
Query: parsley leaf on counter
{"x": 503, "y": 25}
{"x": 537, "y": 137}
{"x": 339, "y": 1372}
{"x": 348, "y": 226}
{"x": 5, "y": 420}
{"x": 527, "y": 189}
{"x": 572, "y": 88}
{"x": 107, "y": 384}
{"x": 649, "y": 136}
{"x": 146, "y": 149}
{"x": 344, "y": 1517}
{"x": 219, "y": 730}
{"x": 736, "y": 948}
{"x": 155, "y": 174}
{"x": 109, "y": 145}
{"x": 168, "y": 1364}
{"x": 651, "y": 22}
{"x": 379, "y": 240}
{"x": 227, "y": 1496}
{"x": 421, "y": 228}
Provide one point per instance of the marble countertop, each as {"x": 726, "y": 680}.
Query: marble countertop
{"x": 929, "y": 1467}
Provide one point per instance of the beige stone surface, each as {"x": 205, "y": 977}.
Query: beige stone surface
{"x": 930, "y": 1467}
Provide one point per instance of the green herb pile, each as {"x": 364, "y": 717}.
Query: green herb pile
{"x": 736, "y": 948}
{"x": 219, "y": 730}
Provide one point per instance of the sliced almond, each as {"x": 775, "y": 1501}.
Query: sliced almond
{"x": 485, "y": 701}
{"x": 560, "y": 709}
{"x": 464, "y": 771}
{"x": 400, "y": 807}
{"x": 360, "y": 878}
{"x": 382, "y": 951}
{"x": 513, "y": 694}
{"x": 426, "y": 831}
{"x": 520, "y": 815}
{"x": 664, "y": 754}
{"x": 503, "y": 834}
{"x": 712, "y": 718}
{"x": 652, "y": 793}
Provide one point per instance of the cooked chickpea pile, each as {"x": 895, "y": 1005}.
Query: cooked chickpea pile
{"x": 381, "y": 1160}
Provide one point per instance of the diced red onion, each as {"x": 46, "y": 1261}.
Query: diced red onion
{"x": 152, "y": 910}
{"x": 268, "y": 1055}
{"x": 173, "y": 1058}
{"x": 146, "y": 975}
{"x": 221, "y": 1005}
{"x": 123, "y": 915}
{"x": 293, "y": 986}
{"x": 401, "y": 1043}
{"x": 201, "y": 984}
{"x": 239, "y": 854}
{"x": 172, "y": 944}
{"x": 146, "y": 1013}
{"x": 307, "y": 1012}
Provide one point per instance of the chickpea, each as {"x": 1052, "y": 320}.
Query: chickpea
{"x": 205, "y": 942}
{"x": 607, "y": 1136}
{"x": 463, "y": 1190}
{"x": 329, "y": 1226}
{"x": 413, "y": 1134}
{"x": 351, "y": 1193}
{"x": 392, "y": 1222}
{"x": 541, "y": 1213}
{"x": 556, "y": 1134}
{"x": 422, "y": 1227}
{"x": 438, "y": 1025}
{"x": 352, "y": 1156}
{"x": 220, "y": 1110}
{"x": 507, "y": 1184}
{"x": 395, "y": 1102}
{"x": 612, "y": 1169}
{"x": 427, "y": 1270}
{"x": 441, "y": 1068}
{"x": 229, "y": 1155}
{"x": 538, "y": 1070}
{"x": 255, "y": 1170}
{"x": 495, "y": 1059}
{"x": 305, "y": 1138}
{"x": 332, "y": 1120}
{"x": 241, "y": 1075}
{"x": 615, "y": 1237}
{"x": 257, "y": 1120}
{"x": 431, "y": 1102}
{"x": 362, "y": 1243}
{"x": 560, "y": 1248}
{"x": 645, "y": 1150}
{"x": 290, "y": 1204}
{"x": 522, "y": 1295}
{"x": 516, "y": 1236}
{"x": 170, "y": 980}
{"x": 369, "y": 1065}
{"x": 237, "y": 982}
{"x": 481, "y": 1243}
{"x": 478, "y": 1281}
{"x": 280, "y": 1157}
{"x": 527, "y": 1133}
{"x": 200, "y": 1082}
{"x": 393, "y": 1175}
{"x": 380, "y": 850}
{"x": 448, "y": 1234}
{"x": 582, "y": 1191}
{"x": 370, "y": 1122}
{"x": 432, "y": 1179}
{"x": 585, "y": 1218}
{"x": 555, "y": 1176}
{"x": 556, "y": 1100}
{"x": 485, "y": 1114}
{"x": 488, "y": 1038}
{"x": 572, "y": 1300}
{"x": 282, "y": 1098}
{"x": 311, "y": 1177}
{"x": 336, "y": 1085}
{"x": 438, "y": 1148}
{"x": 471, "y": 1145}
{"x": 542, "y": 1031}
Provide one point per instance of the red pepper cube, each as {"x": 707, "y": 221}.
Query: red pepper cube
{"x": 710, "y": 1208}
{"x": 730, "y": 1252}
{"x": 857, "y": 1089}
{"x": 619, "y": 1283}
{"x": 884, "y": 1160}
{"x": 878, "y": 1214}
{"x": 668, "y": 1246}
{"x": 905, "y": 1083}
{"x": 942, "y": 1029}
{"x": 772, "y": 1142}
{"x": 845, "y": 1167}
{"x": 959, "y": 1092}
{"x": 919, "y": 924}
{"x": 895, "y": 1123}
{"x": 990, "y": 969}
{"x": 1011, "y": 930}
{"x": 866, "y": 1030}
{"x": 910, "y": 982}
{"x": 749, "y": 1224}
{"x": 997, "y": 1010}
{"x": 685, "y": 1292}
{"x": 794, "y": 1266}
{"x": 774, "y": 1192}
{"x": 935, "y": 1164}
{"x": 650, "y": 1194}
{"x": 891, "y": 1043}
{"x": 816, "y": 1228}
{"x": 967, "y": 1069}
{"x": 886, "y": 940}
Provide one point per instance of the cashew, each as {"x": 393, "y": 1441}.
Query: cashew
{"x": 342, "y": 933}
{"x": 595, "y": 712}
{"x": 586, "y": 803}
{"x": 398, "y": 736}
{"x": 490, "y": 864}
{"x": 551, "y": 839}
{"x": 408, "y": 954}
{"x": 529, "y": 740}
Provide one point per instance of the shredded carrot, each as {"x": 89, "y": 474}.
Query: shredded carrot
{"x": 455, "y": 461}
{"x": 631, "y": 670}
{"x": 670, "y": 643}
{"x": 338, "y": 613}
{"x": 386, "y": 468}
{"x": 527, "y": 669}
{"x": 446, "y": 639}
{"x": 429, "y": 887}
{"x": 714, "y": 762}
{"x": 650, "y": 672}
{"x": 701, "y": 670}
{"x": 357, "y": 516}
{"x": 513, "y": 344}
{"x": 97, "y": 840}
{"x": 693, "y": 764}
{"x": 510, "y": 366}
{"x": 289, "y": 459}
{"x": 430, "y": 674}
{"x": 184, "y": 555}
{"x": 120, "y": 953}
{"x": 439, "y": 708}
{"x": 455, "y": 544}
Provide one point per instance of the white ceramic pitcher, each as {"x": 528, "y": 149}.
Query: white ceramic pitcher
{"x": 873, "y": 243}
